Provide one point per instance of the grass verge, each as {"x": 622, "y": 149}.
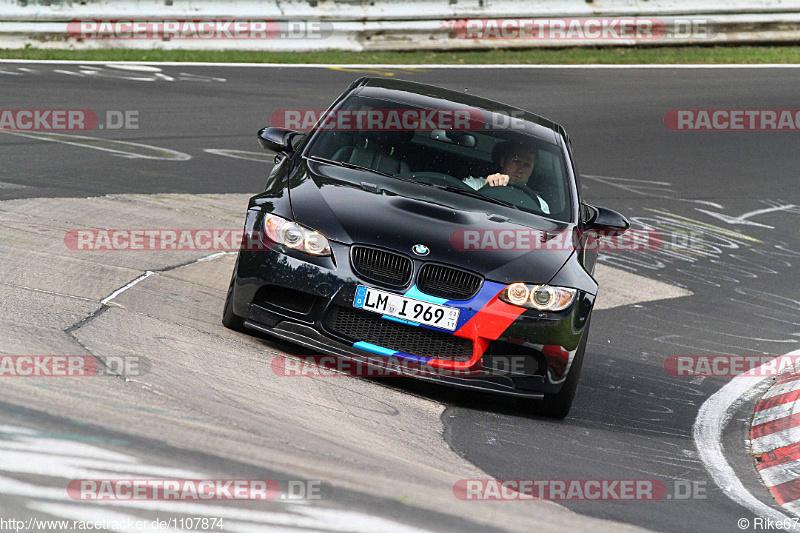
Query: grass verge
{"x": 603, "y": 55}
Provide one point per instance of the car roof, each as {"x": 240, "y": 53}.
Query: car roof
{"x": 430, "y": 96}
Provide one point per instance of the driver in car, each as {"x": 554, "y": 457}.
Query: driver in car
{"x": 516, "y": 165}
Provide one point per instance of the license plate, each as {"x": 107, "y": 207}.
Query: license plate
{"x": 386, "y": 303}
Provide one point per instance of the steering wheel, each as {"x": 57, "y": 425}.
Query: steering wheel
{"x": 440, "y": 178}
{"x": 500, "y": 192}
{"x": 525, "y": 189}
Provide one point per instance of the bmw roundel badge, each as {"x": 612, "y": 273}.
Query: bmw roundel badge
{"x": 421, "y": 249}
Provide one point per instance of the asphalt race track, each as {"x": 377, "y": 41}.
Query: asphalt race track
{"x": 386, "y": 454}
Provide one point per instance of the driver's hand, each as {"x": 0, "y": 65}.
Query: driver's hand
{"x": 497, "y": 179}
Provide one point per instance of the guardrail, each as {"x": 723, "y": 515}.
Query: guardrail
{"x": 397, "y": 24}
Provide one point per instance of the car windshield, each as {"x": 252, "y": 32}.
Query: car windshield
{"x": 454, "y": 150}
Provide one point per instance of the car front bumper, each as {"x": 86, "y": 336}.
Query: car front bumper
{"x": 515, "y": 351}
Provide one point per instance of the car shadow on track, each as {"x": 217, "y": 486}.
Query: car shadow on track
{"x": 446, "y": 395}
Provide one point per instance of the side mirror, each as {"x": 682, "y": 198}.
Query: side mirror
{"x": 606, "y": 221}
{"x": 277, "y": 140}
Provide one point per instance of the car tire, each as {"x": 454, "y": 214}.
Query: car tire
{"x": 558, "y": 405}
{"x": 229, "y": 319}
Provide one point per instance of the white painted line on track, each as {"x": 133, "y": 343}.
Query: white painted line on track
{"x": 6, "y": 430}
{"x": 149, "y": 273}
{"x": 114, "y": 147}
{"x": 261, "y": 157}
{"x": 214, "y": 256}
{"x": 301, "y": 518}
{"x": 119, "y": 291}
{"x": 79, "y": 461}
{"x": 714, "y": 414}
{"x": 409, "y": 66}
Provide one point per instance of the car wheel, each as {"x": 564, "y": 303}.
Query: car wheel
{"x": 558, "y": 405}
{"x": 229, "y": 319}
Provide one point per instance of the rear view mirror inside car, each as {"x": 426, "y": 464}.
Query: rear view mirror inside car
{"x": 455, "y": 137}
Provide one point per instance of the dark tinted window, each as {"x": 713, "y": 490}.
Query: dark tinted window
{"x": 456, "y": 147}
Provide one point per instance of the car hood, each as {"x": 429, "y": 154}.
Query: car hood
{"x": 354, "y": 206}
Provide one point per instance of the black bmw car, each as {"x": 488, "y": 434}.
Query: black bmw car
{"x": 426, "y": 225}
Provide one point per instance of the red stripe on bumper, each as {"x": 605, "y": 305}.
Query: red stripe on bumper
{"x": 487, "y": 325}
{"x": 491, "y": 321}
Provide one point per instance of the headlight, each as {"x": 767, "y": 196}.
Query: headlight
{"x": 541, "y": 297}
{"x": 293, "y": 235}
{"x": 517, "y": 293}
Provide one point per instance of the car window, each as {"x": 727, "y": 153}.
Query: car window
{"x": 384, "y": 136}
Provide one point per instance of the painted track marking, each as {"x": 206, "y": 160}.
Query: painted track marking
{"x": 261, "y": 157}
{"x": 125, "y": 149}
{"x": 65, "y": 458}
{"x": 712, "y": 417}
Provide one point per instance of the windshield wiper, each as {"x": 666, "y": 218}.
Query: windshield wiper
{"x": 350, "y": 165}
{"x": 473, "y": 194}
